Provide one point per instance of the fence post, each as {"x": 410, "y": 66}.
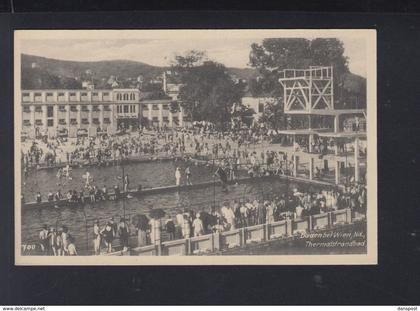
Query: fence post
{"x": 216, "y": 241}
{"x": 159, "y": 248}
{"x": 289, "y": 227}
{"x": 349, "y": 216}
{"x": 189, "y": 250}
{"x": 242, "y": 237}
{"x": 266, "y": 228}
{"x": 330, "y": 222}
{"x": 310, "y": 223}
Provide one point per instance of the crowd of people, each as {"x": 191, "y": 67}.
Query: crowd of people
{"x": 107, "y": 148}
{"x": 183, "y": 224}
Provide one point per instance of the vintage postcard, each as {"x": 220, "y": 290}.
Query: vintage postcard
{"x": 195, "y": 147}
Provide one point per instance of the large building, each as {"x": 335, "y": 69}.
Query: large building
{"x": 91, "y": 112}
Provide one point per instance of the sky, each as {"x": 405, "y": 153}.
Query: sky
{"x": 232, "y": 52}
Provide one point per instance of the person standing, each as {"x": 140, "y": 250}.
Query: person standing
{"x": 155, "y": 229}
{"x": 96, "y": 238}
{"x": 52, "y": 241}
{"x": 186, "y": 227}
{"x": 170, "y": 229}
{"x": 126, "y": 183}
{"x": 123, "y": 234}
{"x": 179, "y": 224}
{"x": 38, "y": 197}
{"x": 43, "y": 239}
{"x": 141, "y": 236}
{"x": 188, "y": 176}
{"x": 220, "y": 172}
{"x": 65, "y": 239}
{"x": 198, "y": 225}
{"x": 108, "y": 235}
{"x": 72, "y": 247}
{"x": 178, "y": 176}
{"x": 59, "y": 243}
{"x": 230, "y": 218}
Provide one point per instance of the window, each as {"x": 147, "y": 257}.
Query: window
{"x": 61, "y": 96}
{"x": 260, "y": 107}
{"x": 85, "y": 108}
{"x": 73, "y": 121}
{"x": 72, "y": 96}
{"x": 175, "y": 119}
{"x": 134, "y": 108}
{"x": 62, "y": 121}
{"x": 95, "y": 108}
{"x": 95, "y": 121}
{"x": 165, "y": 119}
{"x": 38, "y": 122}
{"x": 145, "y": 107}
{"x": 125, "y": 96}
{"x": 26, "y": 97}
{"x": 49, "y": 96}
{"x": 155, "y": 107}
{"x": 85, "y": 121}
{"x": 165, "y": 106}
{"x": 125, "y": 108}
{"x": 155, "y": 119}
{"x": 38, "y": 97}
{"x": 50, "y": 122}
{"x": 26, "y": 109}
{"x": 26, "y": 122}
{"x": 62, "y": 108}
{"x": 73, "y": 108}
{"x": 107, "y": 108}
{"x": 50, "y": 111}
{"x": 107, "y": 120}
{"x": 105, "y": 96}
{"x": 38, "y": 109}
{"x": 132, "y": 96}
{"x": 95, "y": 94}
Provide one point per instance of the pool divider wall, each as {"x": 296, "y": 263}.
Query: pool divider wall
{"x": 219, "y": 242}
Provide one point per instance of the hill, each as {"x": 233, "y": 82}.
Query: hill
{"x": 49, "y": 73}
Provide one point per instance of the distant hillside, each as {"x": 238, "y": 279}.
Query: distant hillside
{"x": 50, "y": 73}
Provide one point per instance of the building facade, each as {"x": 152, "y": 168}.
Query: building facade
{"x": 75, "y": 113}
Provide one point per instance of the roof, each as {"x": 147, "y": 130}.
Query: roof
{"x": 343, "y": 134}
{"x": 329, "y": 112}
{"x": 302, "y": 131}
{"x": 156, "y": 101}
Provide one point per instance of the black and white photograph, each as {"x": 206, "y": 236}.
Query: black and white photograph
{"x": 195, "y": 147}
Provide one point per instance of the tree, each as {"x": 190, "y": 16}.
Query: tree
{"x": 273, "y": 115}
{"x": 277, "y": 54}
{"x": 207, "y": 92}
{"x": 189, "y": 59}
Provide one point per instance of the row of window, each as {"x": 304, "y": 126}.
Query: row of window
{"x": 50, "y": 122}
{"x": 62, "y": 108}
{"x": 126, "y": 96}
{"x": 73, "y": 121}
{"x": 61, "y": 96}
{"x": 120, "y": 108}
{"x": 156, "y": 107}
{"x": 126, "y": 108}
